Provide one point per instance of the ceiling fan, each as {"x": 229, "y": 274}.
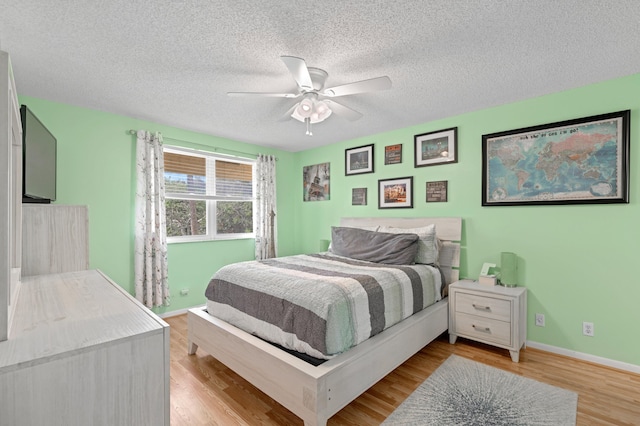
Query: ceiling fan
{"x": 317, "y": 104}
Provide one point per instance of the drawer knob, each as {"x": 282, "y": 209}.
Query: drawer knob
{"x": 482, "y": 308}
{"x": 485, "y": 329}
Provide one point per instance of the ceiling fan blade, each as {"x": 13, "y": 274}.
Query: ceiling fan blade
{"x": 287, "y": 115}
{"x": 265, "y": 94}
{"x": 343, "y": 111}
{"x": 371, "y": 85}
{"x": 299, "y": 70}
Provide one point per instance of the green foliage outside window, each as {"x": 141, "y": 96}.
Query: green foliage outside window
{"x": 234, "y": 217}
{"x": 189, "y": 217}
{"x": 186, "y": 217}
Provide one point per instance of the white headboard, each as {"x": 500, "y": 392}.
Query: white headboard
{"x": 448, "y": 230}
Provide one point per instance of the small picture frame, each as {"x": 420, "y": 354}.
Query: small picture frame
{"x": 395, "y": 193}
{"x": 358, "y": 160}
{"x": 393, "y": 154}
{"x": 487, "y": 268}
{"x": 359, "y": 196}
{"x": 433, "y": 148}
{"x": 437, "y": 191}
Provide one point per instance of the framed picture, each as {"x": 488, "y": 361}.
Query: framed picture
{"x": 359, "y": 197}
{"x": 316, "y": 181}
{"x": 395, "y": 193}
{"x": 434, "y": 148}
{"x": 393, "y": 154}
{"x": 585, "y": 160}
{"x": 358, "y": 160}
{"x": 437, "y": 191}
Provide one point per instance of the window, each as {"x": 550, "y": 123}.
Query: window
{"x": 208, "y": 196}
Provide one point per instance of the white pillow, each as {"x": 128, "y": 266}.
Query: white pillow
{"x": 366, "y": 228}
{"x": 428, "y": 245}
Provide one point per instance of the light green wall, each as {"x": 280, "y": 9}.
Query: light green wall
{"x": 576, "y": 261}
{"x": 96, "y": 167}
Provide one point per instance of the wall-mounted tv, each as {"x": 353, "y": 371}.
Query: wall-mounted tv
{"x": 38, "y": 160}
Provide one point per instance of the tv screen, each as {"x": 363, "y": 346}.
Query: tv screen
{"x": 38, "y": 160}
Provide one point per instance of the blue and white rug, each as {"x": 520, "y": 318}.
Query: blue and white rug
{"x": 465, "y": 392}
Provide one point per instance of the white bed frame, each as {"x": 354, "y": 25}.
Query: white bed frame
{"x": 317, "y": 393}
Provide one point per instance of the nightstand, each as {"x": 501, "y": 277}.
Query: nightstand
{"x": 494, "y": 315}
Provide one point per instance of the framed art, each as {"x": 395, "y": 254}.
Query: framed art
{"x": 316, "y": 180}
{"x": 395, "y": 193}
{"x": 440, "y": 147}
{"x": 393, "y": 154}
{"x": 437, "y": 191}
{"x": 358, "y": 160}
{"x": 580, "y": 161}
{"x": 359, "y": 196}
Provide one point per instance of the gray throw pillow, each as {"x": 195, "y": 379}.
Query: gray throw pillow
{"x": 379, "y": 247}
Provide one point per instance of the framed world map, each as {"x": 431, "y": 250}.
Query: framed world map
{"x": 585, "y": 160}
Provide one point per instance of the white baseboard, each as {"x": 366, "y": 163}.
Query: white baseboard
{"x": 586, "y": 357}
{"x": 536, "y": 345}
{"x": 178, "y": 312}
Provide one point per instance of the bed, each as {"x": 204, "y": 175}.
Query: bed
{"x": 316, "y": 392}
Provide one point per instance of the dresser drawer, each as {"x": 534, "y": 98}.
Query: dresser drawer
{"x": 483, "y": 329}
{"x": 484, "y": 306}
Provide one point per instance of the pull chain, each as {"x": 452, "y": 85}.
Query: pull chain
{"x": 308, "y": 121}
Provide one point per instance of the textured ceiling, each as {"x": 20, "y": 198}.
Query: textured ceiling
{"x": 172, "y": 62}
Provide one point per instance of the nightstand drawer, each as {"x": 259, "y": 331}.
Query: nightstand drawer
{"x": 484, "y": 306}
{"x": 484, "y": 329}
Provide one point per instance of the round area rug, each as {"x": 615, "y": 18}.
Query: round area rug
{"x": 465, "y": 392}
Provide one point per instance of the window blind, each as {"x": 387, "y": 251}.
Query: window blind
{"x": 195, "y": 176}
{"x": 233, "y": 179}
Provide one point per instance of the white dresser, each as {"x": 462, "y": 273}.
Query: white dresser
{"x": 75, "y": 348}
{"x": 83, "y": 352}
{"x": 494, "y": 315}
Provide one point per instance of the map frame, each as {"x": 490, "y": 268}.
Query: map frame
{"x": 497, "y": 146}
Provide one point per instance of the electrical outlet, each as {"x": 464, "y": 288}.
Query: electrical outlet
{"x": 540, "y": 320}
{"x": 184, "y": 291}
{"x": 587, "y": 329}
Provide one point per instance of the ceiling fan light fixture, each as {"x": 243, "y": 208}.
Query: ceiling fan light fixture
{"x": 305, "y": 107}
{"x": 321, "y": 107}
{"x": 299, "y": 114}
{"x": 323, "y": 111}
{"x": 310, "y": 108}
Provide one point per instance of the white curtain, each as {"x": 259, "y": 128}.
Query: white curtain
{"x": 152, "y": 287}
{"x": 266, "y": 229}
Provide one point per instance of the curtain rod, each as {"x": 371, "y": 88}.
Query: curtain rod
{"x": 214, "y": 148}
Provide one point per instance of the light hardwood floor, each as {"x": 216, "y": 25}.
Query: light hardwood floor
{"x": 205, "y": 392}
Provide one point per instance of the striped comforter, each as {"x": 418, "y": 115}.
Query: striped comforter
{"x": 319, "y": 304}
